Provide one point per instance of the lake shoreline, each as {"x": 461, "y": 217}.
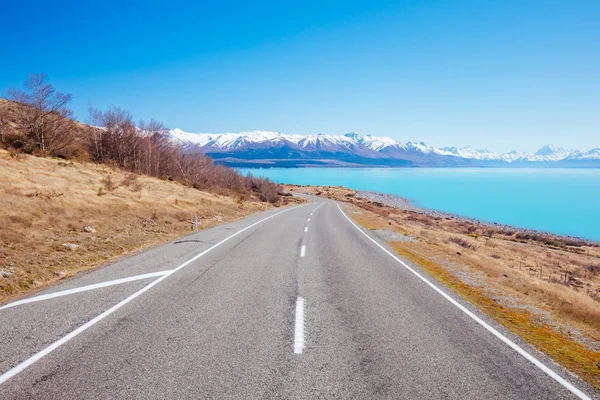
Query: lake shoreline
{"x": 561, "y": 202}
{"x": 402, "y": 203}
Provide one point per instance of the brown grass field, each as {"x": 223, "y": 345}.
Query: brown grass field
{"x": 545, "y": 289}
{"x": 46, "y": 203}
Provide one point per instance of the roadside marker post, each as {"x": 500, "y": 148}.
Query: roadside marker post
{"x": 195, "y": 223}
{"x": 390, "y": 226}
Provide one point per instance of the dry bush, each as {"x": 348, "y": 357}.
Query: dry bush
{"x": 44, "y": 194}
{"x": 132, "y": 182}
{"x": 461, "y": 242}
{"x": 593, "y": 269}
{"x": 108, "y": 183}
{"x": 3, "y": 124}
{"x": 16, "y": 154}
{"x": 241, "y": 200}
{"x": 415, "y": 217}
{"x": 129, "y": 180}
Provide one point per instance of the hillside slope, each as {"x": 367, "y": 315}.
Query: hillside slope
{"x": 61, "y": 217}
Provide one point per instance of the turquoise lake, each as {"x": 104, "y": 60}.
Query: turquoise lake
{"x": 562, "y": 201}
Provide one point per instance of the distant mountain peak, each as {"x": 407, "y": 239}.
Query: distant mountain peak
{"x": 550, "y": 149}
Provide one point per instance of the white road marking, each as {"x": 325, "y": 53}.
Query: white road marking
{"x": 36, "y": 357}
{"x": 302, "y": 251}
{"x": 299, "y": 327}
{"x": 308, "y": 220}
{"x": 481, "y": 322}
{"x": 305, "y": 230}
{"x": 85, "y": 288}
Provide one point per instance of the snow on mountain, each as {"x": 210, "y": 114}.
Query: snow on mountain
{"x": 469, "y": 152}
{"x": 369, "y": 146}
{"x": 421, "y": 147}
{"x": 514, "y": 155}
{"x": 593, "y": 154}
{"x": 371, "y": 142}
{"x": 228, "y": 141}
{"x": 200, "y": 139}
{"x": 550, "y": 153}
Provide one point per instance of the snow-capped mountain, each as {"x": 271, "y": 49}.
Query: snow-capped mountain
{"x": 593, "y": 154}
{"x": 551, "y": 153}
{"x": 275, "y": 148}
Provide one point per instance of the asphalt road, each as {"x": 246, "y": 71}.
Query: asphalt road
{"x": 272, "y": 306}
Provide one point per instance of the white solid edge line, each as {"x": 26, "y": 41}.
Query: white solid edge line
{"x": 31, "y": 360}
{"x": 84, "y": 288}
{"x": 299, "y": 327}
{"x": 481, "y": 322}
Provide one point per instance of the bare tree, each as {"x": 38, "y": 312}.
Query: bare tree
{"x": 45, "y": 117}
{"x": 3, "y": 122}
{"x": 118, "y": 140}
{"x": 148, "y": 149}
{"x": 94, "y": 130}
{"x": 154, "y": 133}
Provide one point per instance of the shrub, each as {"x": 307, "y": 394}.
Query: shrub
{"x": 108, "y": 183}
{"x": 461, "y": 242}
{"x": 552, "y": 242}
{"x": 593, "y": 269}
{"x": 241, "y": 201}
{"x": 131, "y": 181}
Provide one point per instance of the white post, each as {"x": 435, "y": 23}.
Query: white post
{"x": 390, "y": 226}
{"x": 195, "y": 223}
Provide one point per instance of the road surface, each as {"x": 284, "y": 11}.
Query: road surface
{"x": 295, "y": 303}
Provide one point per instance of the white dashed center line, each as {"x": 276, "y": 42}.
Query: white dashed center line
{"x": 299, "y": 327}
{"x": 302, "y": 251}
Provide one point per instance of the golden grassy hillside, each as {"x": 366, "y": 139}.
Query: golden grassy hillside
{"x": 45, "y": 205}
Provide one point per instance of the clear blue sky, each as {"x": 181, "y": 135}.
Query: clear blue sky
{"x": 492, "y": 74}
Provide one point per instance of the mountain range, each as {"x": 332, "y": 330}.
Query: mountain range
{"x": 269, "y": 149}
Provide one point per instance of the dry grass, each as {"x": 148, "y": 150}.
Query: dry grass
{"x": 45, "y": 205}
{"x": 544, "y": 289}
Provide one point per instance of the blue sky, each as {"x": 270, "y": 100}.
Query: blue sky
{"x": 492, "y": 74}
